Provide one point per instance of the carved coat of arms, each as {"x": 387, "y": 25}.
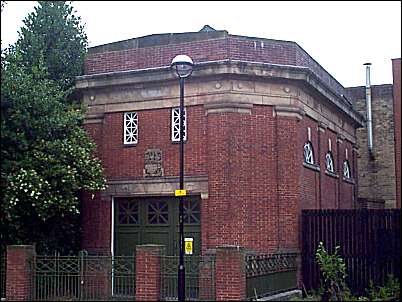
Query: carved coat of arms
{"x": 153, "y": 163}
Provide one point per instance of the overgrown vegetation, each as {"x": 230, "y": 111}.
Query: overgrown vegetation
{"x": 46, "y": 156}
{"x": 333, "y": 282}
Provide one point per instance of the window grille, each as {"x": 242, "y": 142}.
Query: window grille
{"x": 346, "y": 170}
{"x": 308, "y": 153}
{"x": 176, "y": 125}
{"x": 130, "y": 128}
{"x": 329, "y": 162}
{"x": 158, "y": 212}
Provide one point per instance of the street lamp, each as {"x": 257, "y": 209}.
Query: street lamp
{"x": 183, "y": 66}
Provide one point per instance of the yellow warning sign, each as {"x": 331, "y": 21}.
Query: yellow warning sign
{"x": 180, "y": 193}
{"x": 188, "y": 246}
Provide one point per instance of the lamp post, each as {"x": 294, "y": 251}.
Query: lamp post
{"x": 183, "y": 66}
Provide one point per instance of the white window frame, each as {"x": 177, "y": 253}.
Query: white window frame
{"x": 176, "y": 124}
{"x": 329, "y": 162}
{"x": 346, "y": 169}
{"x": 308, "y": 153}
{"x": 130, "y": 132}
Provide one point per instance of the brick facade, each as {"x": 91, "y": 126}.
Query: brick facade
{"x": 148, "y": 272}
{"x": 396, "y": 71}
{"x": 247, "y": 124}
{"x": 230, "y": 274}
{"x": 20, "y": 272}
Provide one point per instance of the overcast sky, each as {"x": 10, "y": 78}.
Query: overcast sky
{"x": 341, "y": 36}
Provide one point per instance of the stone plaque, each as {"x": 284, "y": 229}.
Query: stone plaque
{"x": 153, "y": 163}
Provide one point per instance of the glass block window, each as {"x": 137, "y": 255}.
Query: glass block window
{"x": 346, "y": 169}
{"x": 128, "y": 212}
{"x": 308, "y": 153}
{"x": 158, "y": 212}
{"x": 329, "y": 162}
{"x": 176, "y": 125}
{"x": 130, "y": 128}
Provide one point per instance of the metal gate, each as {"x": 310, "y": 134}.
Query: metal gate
{"x": 84, "y": 277}
{"x": 200, "y": 277}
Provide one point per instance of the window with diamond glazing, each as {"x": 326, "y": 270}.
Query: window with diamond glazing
{"x": 308, "y": 153}
{"x": 329, "y": 162}
{"x": 176, "y": 125}
{"x": 130, "y": 128}
{"x": 346, "y": 170}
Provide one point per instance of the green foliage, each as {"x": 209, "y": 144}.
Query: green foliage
{"x": 55, "y": 33}
{"x": 333, "y": 270}
{"x": 46, "y": 156}
{"x": 391, "y": 290}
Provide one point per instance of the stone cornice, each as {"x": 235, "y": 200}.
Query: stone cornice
{"x": 289, "y": 111}
{"x": 143, "y": 77}
{"x": 156, "y": 186}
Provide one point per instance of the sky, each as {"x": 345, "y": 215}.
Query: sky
{"x": 340, "y": 36}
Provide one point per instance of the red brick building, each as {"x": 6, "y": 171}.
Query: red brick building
{"x": 396, "y": 71}
{"x": 268, "y": 133}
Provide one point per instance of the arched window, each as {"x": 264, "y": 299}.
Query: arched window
{"x": 308, "y": 153}
{"x": 346, "y": 170}
{"x": 329, "y": 162}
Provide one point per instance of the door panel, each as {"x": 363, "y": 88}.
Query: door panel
{"x": 155, "y": 220}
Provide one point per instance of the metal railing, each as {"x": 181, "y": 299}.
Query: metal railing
{"x": 270, "y": 274}
{"x": 200, "y": 277}
{"x": 84, "y": 277}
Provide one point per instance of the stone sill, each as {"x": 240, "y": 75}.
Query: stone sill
{"x": 312, "y": 167}
{"x": 332, "y": 174}
{"x": 349, "y": 180}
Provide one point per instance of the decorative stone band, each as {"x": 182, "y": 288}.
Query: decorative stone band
{"x": 94, "y": 118}
{"x": 340, "y": 138}
{"x": 161, "y": 186}
{"x": 322, "y": 127}
{"x": 222, "y": 107}
{"x": 289, "y": 111}
{"x": 263, "y": 71}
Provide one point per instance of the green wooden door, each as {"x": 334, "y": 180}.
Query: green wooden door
{"x": 155, "y": 220}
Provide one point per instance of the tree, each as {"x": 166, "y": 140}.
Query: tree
{"x": 54, "y": 31}
{"x": 46, "y": 156}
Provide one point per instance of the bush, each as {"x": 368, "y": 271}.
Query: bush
{"x": 333, "y": 270}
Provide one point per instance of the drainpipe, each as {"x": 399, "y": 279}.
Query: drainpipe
{"x": 368, "y": 108}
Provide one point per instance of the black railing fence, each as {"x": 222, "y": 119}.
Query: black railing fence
{"x": 199, "y": 277}
{"x": 270, "y": 274}
{"x": 84, "y": 277}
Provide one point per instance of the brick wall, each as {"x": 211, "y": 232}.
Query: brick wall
{"x": 396, "y": 71}
{"x": 257, "y": 183}
{"x": 242, "y": 180}
{"x": 377, "y": 173}
{"x": 230, "y": 274}
{"x": 19, "y": 280}
{"x": 148, "y": 272}
{"x": 309, "y": 198}
{"x": 329, "y": 184}
{"x": 318, "y": 189}
{"x": 221, "y": 47}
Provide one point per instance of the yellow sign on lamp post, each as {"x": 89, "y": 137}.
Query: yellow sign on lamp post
{"x": 180, "y": 193}
{"x": 188, "y": 246}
